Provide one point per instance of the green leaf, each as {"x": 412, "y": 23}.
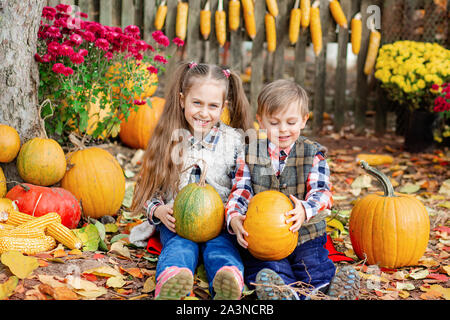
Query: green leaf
{"x": 117, "y": 237}
{"x": 101, "y": 229}
{"x": 89, "y": 236}
{"x": 409, "y": 188}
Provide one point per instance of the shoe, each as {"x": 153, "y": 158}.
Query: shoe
{"x": 228, "y": 283}
{"x": 345, "y": 284}
{"x": 174, "y": 283}
{"x": 268, "y": 282}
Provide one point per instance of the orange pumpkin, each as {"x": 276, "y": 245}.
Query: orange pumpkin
{"x": 390, "y": 229}
{"x": 96, "y": 179}
{"x": 9, "y": 143}
{"x": 136, "y": 131}
{"x": 41, "y": 161}
{"x": 269, "y": 237}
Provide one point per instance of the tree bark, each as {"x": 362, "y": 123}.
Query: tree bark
{"x": 19, "y": 74}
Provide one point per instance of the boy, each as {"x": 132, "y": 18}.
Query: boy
{"x": 295, "y": 166}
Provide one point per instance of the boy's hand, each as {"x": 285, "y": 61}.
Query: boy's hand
{"x": 237, "y": 224}
{"x": 297, "y": 215}
{"x": 165, "y": 214}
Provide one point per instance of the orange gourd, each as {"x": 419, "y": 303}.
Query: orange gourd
{"x": 269, "y": 237}
{"x": 390, "y": 230}
{"x": 9, "y": 143}
{"x": 136, "y": 131}
{"x": 96, "y": 179}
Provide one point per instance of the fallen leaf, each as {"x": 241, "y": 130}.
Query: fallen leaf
{"x": 75, "y": 252}
{"x": 116, "y": 282}
{"x": 149, "y": 284}
{"x": 409, "y": 188}
{"x": 135, "y": 272}
{"x": 64, "y": 293}
{"x": 446, "y": 269}
{"x": 104, "y": 271}
{"x": 438, "y": 276}
{"x": 20, "y": 265}
{"x": 50, "y": 280}
{"x": 403, "y": 294}
{"x": 59, "y": 253}
{"x": 431, "y": 295}
{"x": 405, "y": 286}
{"x": 119, "y": 249}
{"x": 419, "y": 274}
{"x": 445, "y": 188}
{"x": 7, "y": 288}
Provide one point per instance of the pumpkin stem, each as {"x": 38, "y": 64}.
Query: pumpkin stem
{"x": 24, "y": 187}
{"x": 42, "y": 120}
{"x": 202, "y": 181}
{"x": 381, "y": 177}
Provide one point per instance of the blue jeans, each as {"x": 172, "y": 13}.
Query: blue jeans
{"x": 180, "y": 252}
{"x": 308, "y": 263}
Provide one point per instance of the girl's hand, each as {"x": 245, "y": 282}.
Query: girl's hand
{"x": 165, "y": 214}
{"x": 237, "y": 224}
{"x": 297, "y": 215}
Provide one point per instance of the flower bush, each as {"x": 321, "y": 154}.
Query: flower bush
{"x": 408, "y": 69}
{"x": 442, "y": 108}
{"x": 92, "y": 71}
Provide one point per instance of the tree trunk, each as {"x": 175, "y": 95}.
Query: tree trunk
{"x": 19, "y": 74}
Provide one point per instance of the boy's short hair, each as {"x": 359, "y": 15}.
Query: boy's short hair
{"x": 279, "y": 94}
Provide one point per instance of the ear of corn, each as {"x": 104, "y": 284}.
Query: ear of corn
{"x": 16, "y": 218}
{"x": 294, "y": 24}
{"x": 305, "y": 7}
{"x": 356, "y": 26}
{"x": 338, "y": 13}
{"x": 4, "y": 226}
{"x": 41, "y": 222}
{"x": 205, "y": 21}
{"x": 249, "y": 18}
{"x": 221, "y": 24}
{"x": 316, "y": 28}
{"x": 181, "y": 21}
{"x": 64, "y": 235}
{"x": 271, "y": 33}
{"x": 27, "y": 245}
{"x": 161, "y": 15}
{"x": 22, "y": 233}
{"x": 234, "y": 8}
{"x": 272, "y": 7}
{"x": 372, "y": 51}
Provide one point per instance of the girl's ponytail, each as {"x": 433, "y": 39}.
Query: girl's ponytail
{"x": 238, "y": 104}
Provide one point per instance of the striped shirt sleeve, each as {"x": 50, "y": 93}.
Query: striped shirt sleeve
{"x": 318, "y": 187}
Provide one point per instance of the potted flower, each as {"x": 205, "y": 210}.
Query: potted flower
{"x": 441, "y": 130}
{"x": 93, "y": 75}
{"x": 407, "y": 70}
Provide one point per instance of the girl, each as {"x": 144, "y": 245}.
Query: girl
{"x": 189, "y": 134}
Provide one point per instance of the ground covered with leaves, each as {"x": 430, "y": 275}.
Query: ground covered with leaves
{"x": 110, "y": 268}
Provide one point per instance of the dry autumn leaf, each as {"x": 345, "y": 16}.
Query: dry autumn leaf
{"x": 20, "y": 265}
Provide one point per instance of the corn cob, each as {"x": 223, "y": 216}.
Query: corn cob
{"x": 372, "y": 51}
{"x": 305, "y": 7}
{"x": 221, "y": 24}
{"x": 161, "y": 15}
{"x": 294, "y": 23}
{"x": 234, "y": 8}
{"x": 181, "y": 21}
{"x": 272, "y": 7}
{"x": 22, "y": 233}
{"x": 64, "y": 235}
{"x": 316, "y": 28}
{"x": 338, "y": 14}
{"x": 271, "y": 33}
{"x": 27, "y": 245}
{"x": 356, "y": 25}
{"x": 41, "y": 222}
{"x": 249, "y": 17}
{"x": 16, "y": 218}
{"x": 205, "y": 21}
{"x": 4, "y": 226}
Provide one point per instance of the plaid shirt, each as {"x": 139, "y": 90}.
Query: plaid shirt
{"x": 318, "y": 185}
{"x": 241, "y": 191}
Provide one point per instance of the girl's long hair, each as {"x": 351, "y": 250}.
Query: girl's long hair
{"x": 159, "y": 175}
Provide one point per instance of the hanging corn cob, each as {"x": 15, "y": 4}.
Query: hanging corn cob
{"x": 272, "y": 7}
{"x": 305, "y": 7}
{"x": 205, "y": 21}
{"x": 27, "y": 245}
{"x": 316, "y": 28}
{"x": 234, "y": 8}
{"x": 181, "y": 22}
{"x": 161, "y": 15}
{"x": 249, "y": 17}
{"x": 271, "y": 32}
{"x": 294, "y": 23}
{"x": 220, "y": 20}
{"x": 372, "y": 51}
{"x": 356, "y": 25}
{"x": 338, "y": 14}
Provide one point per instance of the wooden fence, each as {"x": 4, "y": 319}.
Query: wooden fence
{"x": 268, "y": 66}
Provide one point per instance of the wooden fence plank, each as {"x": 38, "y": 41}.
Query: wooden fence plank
{"x": 257, "y": 62}
{"x": 300, "y": 57}
{"x": 212, "y": 56}
{"x": 284, "y": 8}
{"x": 193, "y": 34}
{"x": 106, "y": 12}
{"x": 127, "y": 14}
{"x": 149, "y": 19}
{"x": 320, "y": 70}
{"x": 236, "y": 41}
{"x": 341, "y": 69}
